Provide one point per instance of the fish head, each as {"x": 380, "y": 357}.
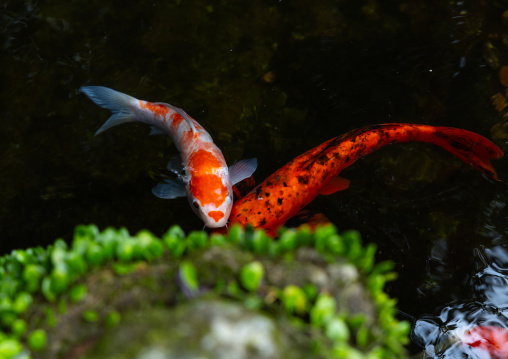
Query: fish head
{"x": 211, "y": 198}
{"x": 212, "y": 216}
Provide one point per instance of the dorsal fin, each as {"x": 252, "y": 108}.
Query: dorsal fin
{"x": 183, "y": 114}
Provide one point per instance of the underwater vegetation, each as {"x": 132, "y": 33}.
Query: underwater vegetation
{"x": 109, "y": 294}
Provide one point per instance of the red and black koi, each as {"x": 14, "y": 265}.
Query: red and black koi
{"x": 283, "y": 194}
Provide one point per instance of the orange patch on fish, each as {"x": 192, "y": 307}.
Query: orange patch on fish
{"x": 188, "y": 136}
{"x": 176, "y": 120}
{"x": 205, "y": 184}
{"x": 216, "y": 215}
{"x": 158, "y": 109}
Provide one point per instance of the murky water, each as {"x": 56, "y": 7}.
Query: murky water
{"x": 267, "y": 79}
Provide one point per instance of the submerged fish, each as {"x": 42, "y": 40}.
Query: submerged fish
{"x": 203, "y": 175}
{"x": 470, "y": 341}
{"x": 282, "y": 195}
{"x": 487, "y": 338}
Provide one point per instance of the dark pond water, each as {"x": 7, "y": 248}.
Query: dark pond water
{"x": 268, "y": 79}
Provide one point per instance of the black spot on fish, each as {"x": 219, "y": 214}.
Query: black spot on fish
{"x": 279, "y": 201}
{"x": 459, "y": 146}
{"x": 262, "y": 222}
{"x": 303, "y": 179}
{"x": 352, "y": 136}
{"x": 267, "y": 194}
{"x": 285, "y": 184}
{"x": 322, "y": 159}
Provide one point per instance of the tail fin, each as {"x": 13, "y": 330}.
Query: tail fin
{"x": 118, "y": 103}
{"x": 470, "y": 147}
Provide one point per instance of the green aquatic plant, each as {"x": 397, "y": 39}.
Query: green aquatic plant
{"x": 39, "y": 287}
{"x": 251, "y": 275}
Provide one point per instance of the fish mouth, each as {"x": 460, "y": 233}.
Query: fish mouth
{"x": 219, "y": 224}
{"x": 216, "y": 218}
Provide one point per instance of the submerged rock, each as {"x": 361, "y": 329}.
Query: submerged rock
{"x": 203, "y": 328}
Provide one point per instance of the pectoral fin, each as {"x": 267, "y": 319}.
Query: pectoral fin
{"x": 175, "y": 165}
{"x": 335, "y": 185}
{"x": 242, "y": 169}
{"x": 311, "y": 218}
{"x": 170, "y": 189}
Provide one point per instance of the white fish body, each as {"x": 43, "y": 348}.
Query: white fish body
{"x": 207, "y": 181}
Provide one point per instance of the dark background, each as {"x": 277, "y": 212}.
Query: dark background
{"x": 267, "y": 79}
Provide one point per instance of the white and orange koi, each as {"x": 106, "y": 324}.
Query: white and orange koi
{"x": 203, "y": 175}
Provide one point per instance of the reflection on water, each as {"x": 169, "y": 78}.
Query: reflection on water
{"x": 268, "y": 79}
{"x": 488, "y": 305}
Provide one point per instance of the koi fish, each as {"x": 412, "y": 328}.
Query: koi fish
{"x": 493, "y": 340}
{"x": 202, "y": 173}
{"x": 283, "y": 194}
{"x": 312, "y": 219}
{"x": 481, "y": 341}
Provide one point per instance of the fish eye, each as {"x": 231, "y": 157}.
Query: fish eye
{"x": 195, "y": 204}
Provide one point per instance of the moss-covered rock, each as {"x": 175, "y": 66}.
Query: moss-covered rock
{"x": 202, "y": 328}
{"x": 243, "y": 295}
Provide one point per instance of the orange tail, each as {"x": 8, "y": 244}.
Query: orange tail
{"x": 470, "y": 147}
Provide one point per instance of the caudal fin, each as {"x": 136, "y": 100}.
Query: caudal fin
{"x": 118, "y": 103}
{"x": 470, "y": 147}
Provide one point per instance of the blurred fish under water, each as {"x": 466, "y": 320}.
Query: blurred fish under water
{"x": 477, "y": 329}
